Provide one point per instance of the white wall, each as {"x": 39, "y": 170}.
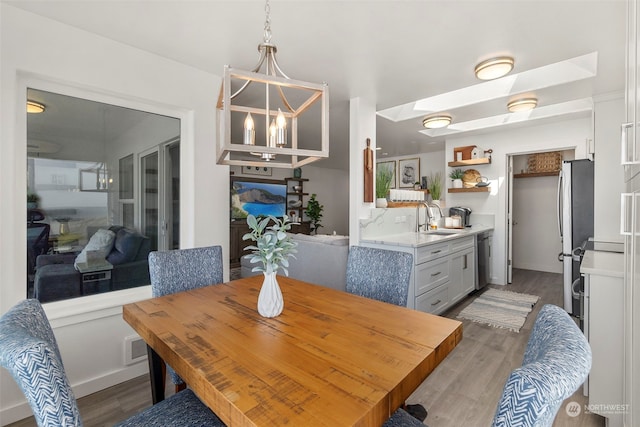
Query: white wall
{"x": 536, "y": 242}
{"x": 430, "y": 163}
{"x": 331, "y": 187}
{"x": 63, "y": 59}
{"x": 568, "y": 134}
{"x": 608, "y": 175}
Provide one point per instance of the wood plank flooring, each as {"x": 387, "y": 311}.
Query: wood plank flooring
{"x": 462, "y": 391}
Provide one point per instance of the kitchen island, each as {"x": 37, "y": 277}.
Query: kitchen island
{"x": 444, "y": 264}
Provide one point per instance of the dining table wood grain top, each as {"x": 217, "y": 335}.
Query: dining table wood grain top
{"x": 330, "y": 359}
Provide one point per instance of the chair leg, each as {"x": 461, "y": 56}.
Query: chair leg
{"x": 180, "y": 387}
{"x": 417, "y": 411}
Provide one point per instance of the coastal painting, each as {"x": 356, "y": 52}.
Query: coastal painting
{"x": 258, "y": 199}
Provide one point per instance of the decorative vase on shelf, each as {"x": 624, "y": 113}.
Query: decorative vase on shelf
{"x": 457, "y": 183}
{"x": 381, "y": 202}
{"x": 270, "y": 301}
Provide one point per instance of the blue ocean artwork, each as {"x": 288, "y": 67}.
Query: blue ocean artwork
{"x": 258, "y": 199}
{"x": 257, "y": 209}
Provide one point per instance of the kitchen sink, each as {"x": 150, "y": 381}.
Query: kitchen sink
{"x": 441, "y": 233}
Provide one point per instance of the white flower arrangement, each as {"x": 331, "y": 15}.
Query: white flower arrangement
{"x": 273, "y": 245}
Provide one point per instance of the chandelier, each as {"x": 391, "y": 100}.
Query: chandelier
{"x": 258, "y": 120}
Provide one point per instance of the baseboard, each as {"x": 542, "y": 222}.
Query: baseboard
{"x": 23, "y": 410}
{"x": 539, "y": 267}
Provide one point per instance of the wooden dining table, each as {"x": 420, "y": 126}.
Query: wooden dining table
{"x": 330, "y": 359}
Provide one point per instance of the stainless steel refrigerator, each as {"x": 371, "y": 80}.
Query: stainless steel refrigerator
{"x": 575, "y": 224}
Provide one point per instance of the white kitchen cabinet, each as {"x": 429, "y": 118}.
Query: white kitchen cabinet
{"x": 604, "y": 328}
{"x": 443, "y": 272}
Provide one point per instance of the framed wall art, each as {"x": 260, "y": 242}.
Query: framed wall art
{"x": 408, "y": 172}
{"x": 389, "y": 165}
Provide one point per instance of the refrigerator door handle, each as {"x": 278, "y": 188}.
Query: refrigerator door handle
{"x": 559, "y": 204}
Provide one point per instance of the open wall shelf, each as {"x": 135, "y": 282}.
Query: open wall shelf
{"x": 470, "y": 162}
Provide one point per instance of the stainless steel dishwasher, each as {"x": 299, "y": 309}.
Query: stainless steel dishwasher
{"x": 483, "y": 250}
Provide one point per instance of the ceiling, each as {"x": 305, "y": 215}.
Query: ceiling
{"x": 389, "y": 52}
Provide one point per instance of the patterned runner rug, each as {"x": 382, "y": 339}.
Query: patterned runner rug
{"x": 500, "y": 309}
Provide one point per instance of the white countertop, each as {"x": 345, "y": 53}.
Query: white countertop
{"x": 603, "y": 263}
{"x": 424, "y": 238}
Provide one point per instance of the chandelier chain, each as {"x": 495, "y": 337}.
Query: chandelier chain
{"x": 267, "y": 22}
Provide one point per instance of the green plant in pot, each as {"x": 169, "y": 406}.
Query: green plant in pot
{"x": 456, "y": 175}
{"x": 435, "y": 185}
{"x": 384, "y": 177}
{"x": 32, "y": 200}
{"x": 314, "y": 212}
{"x": 272, "y": 248}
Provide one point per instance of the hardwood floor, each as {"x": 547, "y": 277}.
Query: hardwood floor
{"x": 462, "y": 391}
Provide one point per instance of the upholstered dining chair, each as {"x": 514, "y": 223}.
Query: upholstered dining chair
{"x": 379, "y": 274}
{"x": 556, "y": 362}
{"x": 182, "y": 270}
{"x": 29, "y": 351}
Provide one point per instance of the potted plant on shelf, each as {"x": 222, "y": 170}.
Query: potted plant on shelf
{"x": 435, "y": 187}
{"x": 32, "y": 200}
{"x": 314, "y": 212}
{"x": 273, "y": 246}
{"x": 384, "y": 177}
{"x": 456, "y": 176}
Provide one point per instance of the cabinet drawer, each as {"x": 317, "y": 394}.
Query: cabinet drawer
{"x": 426, "y": 253}
{"x": 430, "y": 275}
{"x": 464, "y": 243}
{"x": 434, "y": 301}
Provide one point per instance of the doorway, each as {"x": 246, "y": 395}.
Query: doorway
{"x": 533, "y": 241}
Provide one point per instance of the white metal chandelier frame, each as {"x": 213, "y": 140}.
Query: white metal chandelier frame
{"x": 270, "y": 152}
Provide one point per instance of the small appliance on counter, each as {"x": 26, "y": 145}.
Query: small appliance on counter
{"x": 463, "y": 213}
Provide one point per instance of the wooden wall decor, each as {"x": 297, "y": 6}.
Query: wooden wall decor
{"x": 368, "y": 173}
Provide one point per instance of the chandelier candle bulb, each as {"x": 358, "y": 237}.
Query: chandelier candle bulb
{"x": 281, "y": 129}
{"x": 249, "y": 131}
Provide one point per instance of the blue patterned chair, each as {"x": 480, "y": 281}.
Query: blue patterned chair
{"x": 379, "y": 274}
{"x": 556, "y": 362}
{"x": 182, "y": 270}
{"x": 29, "y": 351}
{"x": 402, "y": 418}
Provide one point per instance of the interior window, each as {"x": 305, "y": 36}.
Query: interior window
{"x": 86, "y": 215}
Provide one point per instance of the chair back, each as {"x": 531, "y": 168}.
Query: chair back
{"x": 184, "y": 269}
{"x": 379, "y": 274}
{"x": 29, "y": 351}
{"x": 556, "y": 362}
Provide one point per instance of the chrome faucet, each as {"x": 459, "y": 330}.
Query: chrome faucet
{"x": 433, "y": 205}
{"x": 427, "y": 215}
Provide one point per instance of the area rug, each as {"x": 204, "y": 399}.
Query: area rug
{"x": 500, "y": 309}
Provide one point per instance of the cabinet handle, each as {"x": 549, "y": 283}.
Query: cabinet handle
{"x": 465, "y": 262}
{"x": 436, "y": 303}
{"x": 435, "y": 274}
{"x": 626, "y": 202}
{"x": 436, "y": 252}
{"x": 626, "y": 157}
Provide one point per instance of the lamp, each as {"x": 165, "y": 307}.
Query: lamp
{"x": 436, "y": 122}
{"x": 34, "y": 107}
{"x": 494, "y": 68}
{"x": 281, "y": 101}
{"x": 522, "y": 104}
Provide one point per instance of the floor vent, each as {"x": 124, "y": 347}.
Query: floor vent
{"x": 135, "y": 350}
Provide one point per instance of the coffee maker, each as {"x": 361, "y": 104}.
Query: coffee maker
{"x": 463, "y": 213}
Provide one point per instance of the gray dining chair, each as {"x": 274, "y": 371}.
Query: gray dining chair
{"x": 556, "y": 362}
{"x": 379, "y": 274}
{"x": 29, "y": 351}
{"x": 182, "y": 270}
{"x": 401, "y": 418}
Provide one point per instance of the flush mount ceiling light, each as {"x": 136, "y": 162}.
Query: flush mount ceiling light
{"x": 276, "y": 102}
{"x": 494, "y": 68}
{"x": 34, "y": 107}
{"x": 436, "y": 122}
{"x": 522, "y": 104}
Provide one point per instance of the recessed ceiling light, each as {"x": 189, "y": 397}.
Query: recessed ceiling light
{"x": 522, "y": 104}
{"x": 436, "y": 122}
{"x": 34, "y": 107}
{"x": 494, "y": 68}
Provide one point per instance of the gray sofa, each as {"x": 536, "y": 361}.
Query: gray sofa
{"x": 321, "y": 260}
{"x": 57, "y": 279}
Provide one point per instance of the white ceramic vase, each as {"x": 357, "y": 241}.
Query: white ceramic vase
{"x": 457, "y": 183}
{"x": 381, "y": 202}
{"x": 270, "y": 301}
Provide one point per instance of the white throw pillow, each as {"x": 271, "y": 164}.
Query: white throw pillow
{"x": 100, "y": 246}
